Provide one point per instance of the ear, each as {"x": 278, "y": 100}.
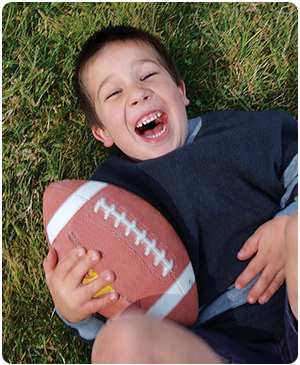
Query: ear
{"x": 181, "y": 88}
{"x": 102, "y": 135}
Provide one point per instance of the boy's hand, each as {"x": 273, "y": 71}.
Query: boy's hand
{"x": 73, "y": 299}
{"x": 269, "y": 245}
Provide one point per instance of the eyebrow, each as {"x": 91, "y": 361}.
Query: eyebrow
{"x": 144, "y": 60}
{"x": 106, "y": 80}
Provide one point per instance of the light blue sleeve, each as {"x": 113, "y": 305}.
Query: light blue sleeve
{"x": 86, "y": 330}
{"x": 289, "y": 201}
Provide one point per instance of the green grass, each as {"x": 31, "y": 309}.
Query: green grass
{"x": 231, "y": 56}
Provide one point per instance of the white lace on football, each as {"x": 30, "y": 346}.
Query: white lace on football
{"x": 141, "y": 236}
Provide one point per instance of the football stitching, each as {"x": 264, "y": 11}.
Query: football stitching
{"x": 141, "y": 236}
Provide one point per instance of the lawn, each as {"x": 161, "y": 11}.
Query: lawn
{"x": 231, "y": 56}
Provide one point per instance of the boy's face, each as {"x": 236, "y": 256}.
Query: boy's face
{"x": 137, "y": 101}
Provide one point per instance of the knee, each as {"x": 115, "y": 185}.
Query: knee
{"x": 117, "y": 342}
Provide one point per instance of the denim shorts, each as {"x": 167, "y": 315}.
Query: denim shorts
{"x": 235, "y": 351}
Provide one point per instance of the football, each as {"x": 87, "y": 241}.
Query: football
{"x": 153, "y": 270}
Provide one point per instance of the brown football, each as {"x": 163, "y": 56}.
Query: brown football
{"x": 153, "y": 270}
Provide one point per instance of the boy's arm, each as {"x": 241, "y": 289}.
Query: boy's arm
{"x": 268, "y": 243}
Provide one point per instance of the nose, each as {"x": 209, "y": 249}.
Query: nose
{"x": 138, "y": 95}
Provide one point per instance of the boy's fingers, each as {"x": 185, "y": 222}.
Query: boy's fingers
{"x": 93, "y": 287}
{"x": 249, "y": 248}
{"x": 267, "y": 284}
{"x": 272, "y": 288}
{"x": 83, "y": 266}
{"x": 96, "y": 304}
{"x": 258, "y": 289}
{"x": 254, "y": 267}
{"x": 65, "y": 266}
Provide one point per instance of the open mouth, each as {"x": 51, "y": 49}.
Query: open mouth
{"x": 152, "y": 126}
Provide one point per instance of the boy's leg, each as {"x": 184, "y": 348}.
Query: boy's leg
{"x": 291, "y": 241}
{"x": 134, "y": 338}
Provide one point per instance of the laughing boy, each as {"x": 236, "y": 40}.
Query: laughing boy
{"x": 226, "y": 181}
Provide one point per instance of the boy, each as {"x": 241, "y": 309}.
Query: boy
{"x": 219, "y": 181}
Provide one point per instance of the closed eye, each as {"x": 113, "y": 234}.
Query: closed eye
{"x": 148, "y": 75}
{"x": 112, "y": 94}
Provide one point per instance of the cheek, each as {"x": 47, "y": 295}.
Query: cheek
{"x": 110, "y": 118}
{"x": 176, "y": 99}
{"x": 115, "y": 114}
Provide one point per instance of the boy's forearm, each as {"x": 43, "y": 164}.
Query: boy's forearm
{"x": 86, "y": 330}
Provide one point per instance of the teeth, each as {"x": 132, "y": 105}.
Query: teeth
{"x": 157, "y": 134}
{"x": 144, "y": 122}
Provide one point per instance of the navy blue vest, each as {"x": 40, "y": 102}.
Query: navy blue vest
{"x": 216, "y": 192}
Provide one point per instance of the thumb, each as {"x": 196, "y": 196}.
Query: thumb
{"x": 50, "y": 261}
{"x": 249, "y": 248}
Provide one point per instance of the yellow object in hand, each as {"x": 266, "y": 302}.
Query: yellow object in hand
{"x": 92, "y": 275}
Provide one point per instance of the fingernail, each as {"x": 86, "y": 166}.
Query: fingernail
{"x": 263, "y": 300}
{"x": 94, "y": 256}
{"x": 80, "y": 251}
{"x": 114, "y": 297}
{"x": 108, "y": 276}
{"x": 251, "y": 300}
{"x": 238, "y": 286}
{"x": 241, "y": 253}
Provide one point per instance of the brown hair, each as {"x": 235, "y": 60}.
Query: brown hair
{"x": 97, "y": 42}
